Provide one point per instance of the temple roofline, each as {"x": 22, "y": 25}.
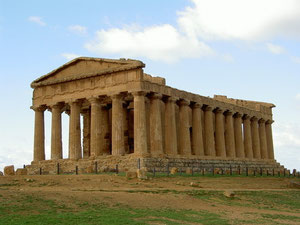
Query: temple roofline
{"x": 127, "y": 64}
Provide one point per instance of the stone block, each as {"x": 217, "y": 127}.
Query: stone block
{"x": 174, "y": 170}
{"x": 21, "y": 172}
{"x": 142, "y": 173}
{"x": 188, "y": 170}
{"x": 9, "y": 170}
{"x": 131, "y": 174}
{"x": 294, "y": 184}
{"x": 90, "y": 169}
{"x": 193, "y": 184}
{"x": 229, "y": 193}
{"x": 217, "y": 171}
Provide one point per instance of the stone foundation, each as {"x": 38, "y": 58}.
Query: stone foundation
{"x": 125, "y": 163}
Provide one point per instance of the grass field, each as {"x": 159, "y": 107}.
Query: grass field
{"x": 109, "y": 199}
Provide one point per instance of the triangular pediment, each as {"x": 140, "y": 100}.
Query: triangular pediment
{"x": 83, "y": 67}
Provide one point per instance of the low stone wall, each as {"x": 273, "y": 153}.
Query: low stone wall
{"x": 161, "y": 164}
{"x": 67, "y": 166}
{"x": 131, "y": 162}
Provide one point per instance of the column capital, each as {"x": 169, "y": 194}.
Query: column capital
{"x": 184, "y": 102}
{"x": 94, "y": 100}
{"x": 57, "y": 105}
{"x": 208, "y": 108}
{"x": 118, "y": 96}
{"x": 197, "y": 105}
{"x": 172, "y": 99}
{"x": 40, "y": 108}
{"x": 228, "y": 113}
{"x": 269, "y": 121}
{"x": 156, "y": 96}
{"x": 218, "y": 110}
{"x": 246, "y": 117}
{"x": 138, "y": 93}
{"x": 238, "y": 115}
{"x": 261, "y": 120}
{"x": 74, "y": 101}
{"x": 254, "y": 119}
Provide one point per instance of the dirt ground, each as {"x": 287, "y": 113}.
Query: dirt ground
{"x": 163, "y": 192}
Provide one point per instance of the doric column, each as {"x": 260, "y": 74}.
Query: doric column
{"x": 156, "y": 144}
{"x": 209, "y": 146}
{"x": 39, "y": 134}
{"x": 197, "y": 138}
{"x": 56, "y": 142}
{"x": 238, "y": 136}
{"x": 140, "y": 129}
{"x": 170, "y": 127}
{"x": 247, "y": 137}
{"x": 269, "y": 139}
{"x": 126, "y": 132}
{"x": 229, "y": 135}
{"x": 263, "y": 139}
{"x": 255, "y": 138}
{"x": 86, "y": 133}
{"x": 184, "y": 130}
{"x": 220, "y": 138}
{"x": 117, "y": 132}
{"x": 75, "y": 132}
{"x": 105, "y": 130}
{"x": 98, "y": 127}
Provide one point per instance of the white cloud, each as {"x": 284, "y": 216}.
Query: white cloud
{"x": 37, "y": 20}
{"x": 162, "y": 42}
{"x": 69, "y": 56}
{"x": 78, "y": 29}
{"x": 243, "y": 20}
{"x": 247, "y": 20}
{"x": 275, "y": 49}
{"x": 295, "y": 59}
{"x": 298, "y": 96}
{"x": 287, "y": 144}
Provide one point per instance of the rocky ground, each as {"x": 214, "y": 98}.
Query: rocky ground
{"x": 238, "y": 200}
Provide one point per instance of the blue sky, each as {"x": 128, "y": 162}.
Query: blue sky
{"x": 239, "y": 48}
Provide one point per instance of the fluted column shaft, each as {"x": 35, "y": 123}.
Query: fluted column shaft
{"x": 209, "y": 147}
{"x": 56, "y": 142}
{"x": 184, "y": 130}
{"x": 247, "y": 137}
{"x": 39, "y": 134}
{"x": 255, "y": 138}
{"x": 238, "y": 136}
{"x": 197, "y": 138}
{"x": 117, "y": 137}
{"x": 229, "y": 137}
{"x": 86, "y": 134}
{"x": 263, "y": 139}
{"x": 140, "y": 128}
{"x": 74, "y": 131}
{"x": 269, "y": 139}
{"x": 220, "y": 138}
{"x": 156, "y": 142}
{"x": 99, "y": 128}
{"x": 170, "y": 127}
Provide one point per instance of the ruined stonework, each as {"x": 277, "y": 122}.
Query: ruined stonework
{"x": 130, "y": 115}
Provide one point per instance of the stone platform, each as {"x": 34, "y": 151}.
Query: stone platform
{"x": 111, "y": 163}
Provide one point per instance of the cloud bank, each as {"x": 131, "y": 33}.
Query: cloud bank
{"x": 200, "y": 24}
{"x": 38, "y": 20}
{"x": 78, "y": 29}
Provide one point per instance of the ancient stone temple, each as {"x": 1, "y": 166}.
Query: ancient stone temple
{"x": 130, "y": 116}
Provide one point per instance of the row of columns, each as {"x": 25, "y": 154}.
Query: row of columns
{"x": 222, "y": 133}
